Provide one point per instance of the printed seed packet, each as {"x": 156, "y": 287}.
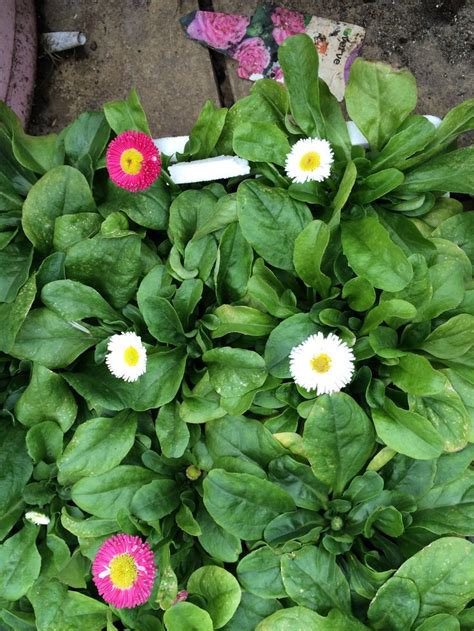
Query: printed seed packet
{"x": 254, "y": 42}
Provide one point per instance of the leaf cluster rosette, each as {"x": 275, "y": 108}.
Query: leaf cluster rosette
{"x": 272, "y": 507}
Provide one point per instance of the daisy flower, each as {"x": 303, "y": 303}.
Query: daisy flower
{"x": 124, "y": 570}
{"x": 126, "y": 356}
{"x": 133, "y": 161}
{"x": 324, "y": 364}
{"x": 309, "y": 159}
{"x": 38, "y": 519}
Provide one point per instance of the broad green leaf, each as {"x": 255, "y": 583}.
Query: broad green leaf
{"x": 460, "y": 230}
{"x": 378, "y": 185}
{"x": 216, "y": 541}
{"x": 20, "y": 563}
{"x": 125, "y": 115}
{"x": 33, "y": 407}
{"x": 407, "y": 432}
{"x": 105, "y": 494}
{"x": 451, "y": 339}
{"x": 156, "y": 387}
{"x": 415, "y": 375}
{"x": 15, "y": 262}
{"x": 298, "y": 479}
{"x": 283, "y": 338}
{"x": 87, "y": 135}
{"x": 100, "y": 262}
{"x": 261, "y": 142}
{"x": 235, "y": 371}
{"x": 359, "y": 294}
{"x": 271, "y": 221}
{"x": 395, "y": 606}
{"x": 220, "y": 590}
{"x": 61, "y": 191}
{"x": 450, "y": 172}
{"x": 268, "y": 293}
{"x": 155, "y": 500}
{"x": 187, "y": 617}
{"x": 300, "y": 525}
{"x": 44, "y": 442}
{"x": 206, "y": 131}
{"x": 97, "y": 446}
{"x": 172, "y": 431}
{"x": 12, "y": 315}
{"x": 373, "y": 255}
{"x": 443, "y": 574}
{"x": 15, "y": 471}
{"x": 299, "y": 61}
{"x": 259, "y": 573}
{"x": 251, "y": 611}
{"x": 314, "y": 580}
{"x": 335, "y": 125}
{"x": 310, "y": 246}
{"x": 189, "y": 212}
{"x": 303, "y": 619}
{"x": 447, "y": 282}
{"x": 51, "y": 341}
{"x": 162, "y": 320}
{"x": 388, "y": 311}
{"x": 70, "y": 229}
{"x": 233, "y": 265}
{"x": 338, "y": 439}
{"x": 440, "y": 622}
{"x": 242, "y": 319}
{"x": 74, "y": 301}
{"x": 148, "y": 208}
{"x": 38, "y": 153}
{"x": 378, "y": 99}
{"x": 231, "y": 497}
{"x": 343, "y": 192}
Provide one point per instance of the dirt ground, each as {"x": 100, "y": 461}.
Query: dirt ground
{"x": 139, "y": 43}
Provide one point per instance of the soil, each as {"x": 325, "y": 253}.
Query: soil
{"x": 140, "y": 43}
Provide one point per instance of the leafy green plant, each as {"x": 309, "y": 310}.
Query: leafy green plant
{"x": 273, "y": 507}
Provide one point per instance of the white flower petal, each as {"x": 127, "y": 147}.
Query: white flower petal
{"x": 39, "y": 519}
{"x": 116, "y": 360}
{"x": 218, "y": 168}
{"x": 336, "y": 376}
{"x": 308, "y": 146}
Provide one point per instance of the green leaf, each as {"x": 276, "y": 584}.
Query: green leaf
{"x": 37, "y": 153}
{"x": 90, "y": 262}
{"x": 61, "y": 191}
{"x": 271, "y": 221}
{"x": 251, "y": 611}
{"x": 33, "y": 407}
{"x": 233, "y": 265}
{"x": 155, "y": 500}
{"x": 415, "y": 375}
{"x": 460, "y": 230}
{"x": 359, "y": 294}
{"x": 283, "y": 338}
{"x": 241, "y": 319}
{"x": 259, "y": 573}
{"x": 440, "y": 622}
{"x": 299, "y": 61}
{"x": 206, "y": 131}
{"x": 269, "y": 294}
{"x": 336, "y": 128}
{"x": 378, "y": 185}
{"x": 44, "y": 442}
{"x": 162, "y": 320}
{"x": 314, "y": 580}
{"x": 231, "y": 497}
{"x": 378, "y": 99}
{"x": 15, "y": 262}
{"x": 51, "y": 341}
{"x": 450, "y": 173}
{"x": 87, "y": 135}
{"x": 261, "y": 142}
{"x": 220, "y": 590}
{"x": 97, "y": 446}
{"x": 374, "y": 256}
{"x": 106, "y": 494}
{"x": 216, "y": 541}
{"x": 156, "y": 387}
{"x": 343, "y": 192}
{"x": 398, "y": 310}
{"x": 69, "y": 229}
{"x": 15, "y": 471}
{"x": 172, "y": 432}
{"x": 303, "y": 619}
{"x": 187, "y": 617}
{"x": 234, "y": 371}
{"x": 20, "y": 563}
{"x": 447, "y": 282}
{"x": 125, "y": 115}
{"x": 148, "y": 208}
{"x": 74, "y": 301}
{"x": 338, "y": 439}
{"x": 443, "y": 574}
{"x": 299, "y": 481}
{"x": 407, "y": 432}
{"x": 451, "y": 339}
{"x": 395, "y": 606}
{"x": 310, "y": 246}
{"x": 189, "y": 213}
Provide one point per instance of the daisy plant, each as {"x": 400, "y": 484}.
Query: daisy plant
{"x": 237, "y": 380}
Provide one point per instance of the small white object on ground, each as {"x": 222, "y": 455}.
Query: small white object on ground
{"x": 39, "y": 519}
{"x": 62, "y": 40}
{"x": 208, "y": 170}
{"x": 171, "y": 145}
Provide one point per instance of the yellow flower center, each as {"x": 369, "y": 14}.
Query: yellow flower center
{"x": 131, "y": 356}
{"x": 131, "y": 161}
{"x": 123, "y": 571}
{"x": 321, "y": 363}
{"x": 310, "y": 161}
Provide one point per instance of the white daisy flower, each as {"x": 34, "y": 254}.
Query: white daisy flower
{"x": 39, "y": 519}
{"x": 209, "y": 169}
{"x": 309, "y": 159}
{"x": 325, "y": 364}
{"x": 126, "y": 357}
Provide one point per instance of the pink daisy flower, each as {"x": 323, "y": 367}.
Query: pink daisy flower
{"x": 124, "y": 570}
{"x": 133, "y": 161}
